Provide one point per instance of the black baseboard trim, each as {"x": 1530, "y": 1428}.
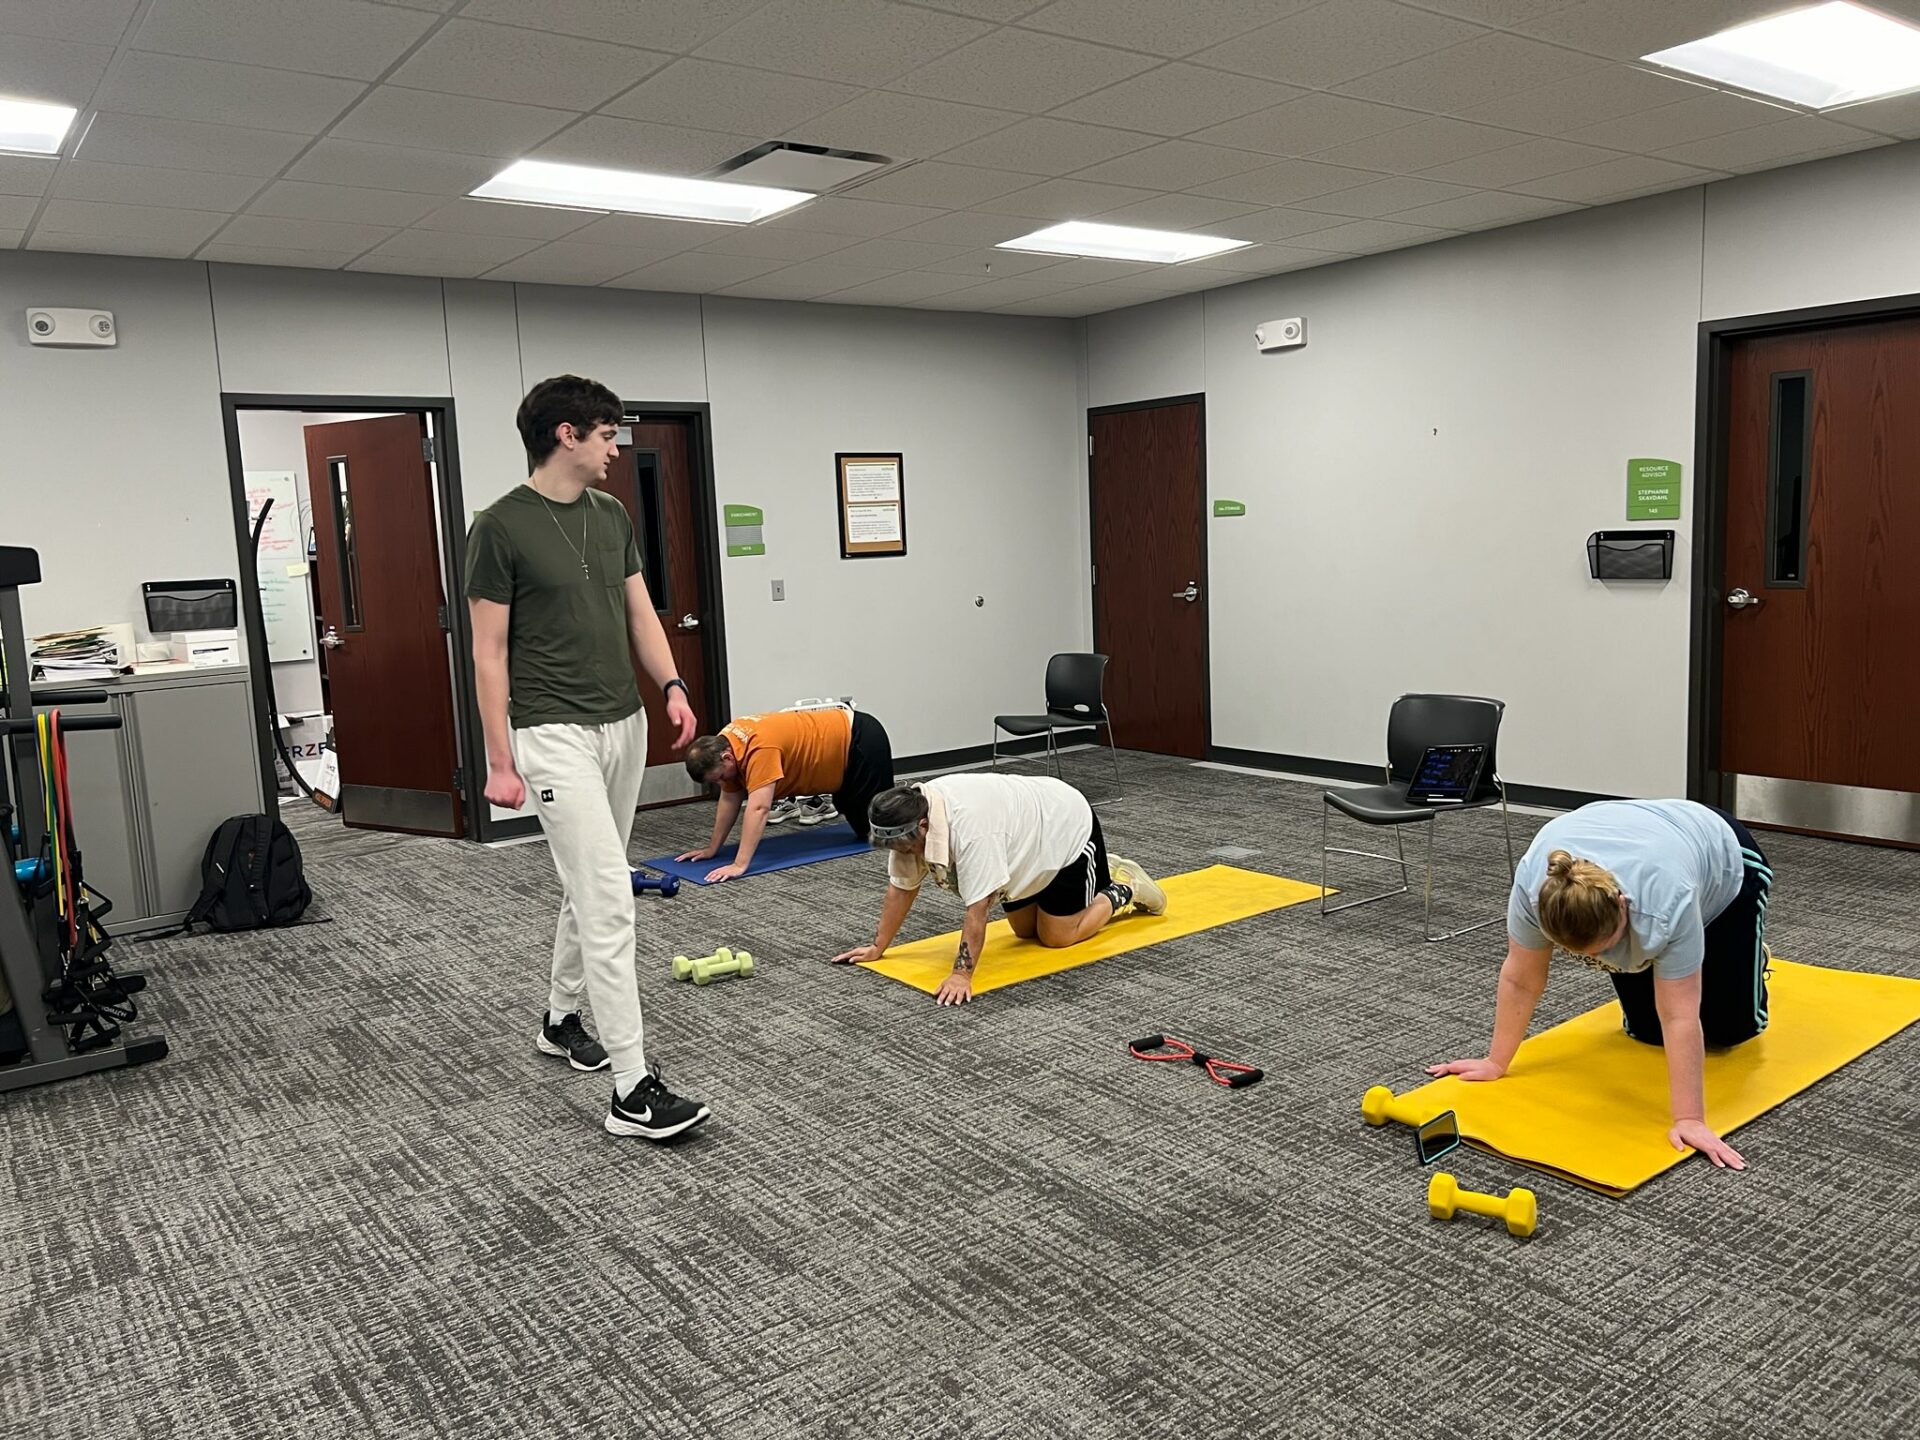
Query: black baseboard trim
{"x": 1546, "y": 796}
{"x": 974, "y": 754}
{"x": 518, "y": 828}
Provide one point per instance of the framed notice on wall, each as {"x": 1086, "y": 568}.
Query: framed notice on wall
{"x": 873, "y": 505}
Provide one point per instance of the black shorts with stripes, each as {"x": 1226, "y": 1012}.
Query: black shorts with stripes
{"x": 1079, "y": 880}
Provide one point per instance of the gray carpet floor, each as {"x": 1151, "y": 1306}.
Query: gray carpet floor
{"x": 354, "y": 1201}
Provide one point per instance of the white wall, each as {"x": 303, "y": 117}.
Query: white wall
{"x": 1150, "y": 352}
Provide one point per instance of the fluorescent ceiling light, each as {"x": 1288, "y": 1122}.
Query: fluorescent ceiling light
{"x": 1820, "y": 57}
{"x": 1122, "y": 242}
{"x": 33, "y": 128}
{"x": 582, "y": 187}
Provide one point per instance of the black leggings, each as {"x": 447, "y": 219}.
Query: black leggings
{"x": 869, "y": 771}
{"x": 1733, "y": 979}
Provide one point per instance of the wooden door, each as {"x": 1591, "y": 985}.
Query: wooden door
{"x": 388, "y": 667}
{"x": 1820, "y": 681}
{"x": 653, "y": 478}
{"x": 1150, "y": 583}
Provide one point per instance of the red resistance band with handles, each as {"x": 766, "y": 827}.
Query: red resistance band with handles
{"x": 1230, "y": 1073}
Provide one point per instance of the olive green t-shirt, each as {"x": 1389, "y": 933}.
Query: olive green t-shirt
{"x": 567, "y": 645}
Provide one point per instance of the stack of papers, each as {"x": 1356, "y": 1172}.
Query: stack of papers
{"x": 76, "y": 655}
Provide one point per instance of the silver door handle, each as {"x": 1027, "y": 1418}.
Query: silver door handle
{"x": 688, "y": 622}
{"x": 1743, "y": 599}
{"x": 1190, "y": 594}
{"x": 332, "y": 639}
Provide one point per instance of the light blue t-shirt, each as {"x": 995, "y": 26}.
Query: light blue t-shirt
{"x": 1678, "y": 864}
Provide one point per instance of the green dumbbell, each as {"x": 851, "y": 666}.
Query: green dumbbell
{"x": 704, "y": 969}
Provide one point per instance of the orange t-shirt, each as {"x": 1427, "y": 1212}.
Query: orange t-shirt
{"x": 798, "y": 752}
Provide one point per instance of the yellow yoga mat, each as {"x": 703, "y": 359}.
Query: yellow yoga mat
{"x": 1585, "y": 1103}
{"x": 1198, "y": 900}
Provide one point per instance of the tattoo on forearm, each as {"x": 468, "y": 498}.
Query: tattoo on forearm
{"x": 963, "y": 963}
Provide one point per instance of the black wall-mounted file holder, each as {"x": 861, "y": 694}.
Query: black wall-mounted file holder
{"x": 1630, "y": 554}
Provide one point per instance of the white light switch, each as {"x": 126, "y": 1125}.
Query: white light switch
{"x": 779, "y": 589}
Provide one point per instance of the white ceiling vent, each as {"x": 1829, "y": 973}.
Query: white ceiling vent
{"x": 786, "y": 166}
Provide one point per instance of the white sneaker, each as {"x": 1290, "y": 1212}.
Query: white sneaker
{"x": 1147, "y": 896}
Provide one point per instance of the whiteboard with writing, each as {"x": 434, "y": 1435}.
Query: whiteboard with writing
{"x": 285, "y": 600}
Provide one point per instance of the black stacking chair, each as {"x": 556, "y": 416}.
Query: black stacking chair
{"x": 1416, "y": 723}
{"x": 1074, "y": 702}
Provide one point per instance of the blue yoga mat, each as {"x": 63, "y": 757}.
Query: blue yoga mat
{"x": 776, "y": 852}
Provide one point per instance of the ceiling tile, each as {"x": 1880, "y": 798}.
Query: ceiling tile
{"x": 1178, "y": 212}
{"x": 118, "y": 139}
{"x": 24, "y": 175}
{"x": 1698, "y": 117}
{"x": 218, "y": 93}
{"x": 648, "y": 232}
{"x": 1176, "y": 99}
{"x": 129, "y": 244}
{"x": 1464, "y": 76}
{"x": 378, "y": 264}
{"x": 1385, "y": 197}
{"x": 1267, "y": 226}
{"x": 392, "y": 167}
{"x": 1175, "y": 165}
{"x": 1481, "y": 209}
{"x": 1583, "y": 100}
{"x": 1899, "y": 115}
{"x": 1049, "y": 307}
{"x": 671, "y": 25}
{"x": 934, "y": 182}
{"x": 439, "y": 7}
{"x": 710, "y": 96}
{"x": 10, "y": 239}
{"x": 1502, "y": 13}
{"x": 299, "y": 200}
{"x": 1157, "y": 27}
{"x": 1048, "y": 147}
{"x": 1627, "y": 29}
{"x": 1286, "y": 182}
{"x": 147, "y": 222}
{"x": 643, "y": 145}
{"x": 1767, "y": 145}
{"x": 695, "y": 271}
{"x": 834, "y": 216}
{"x": 898, "y": 289}
{"x": 453, "y": 248}
{"x": 862, "y": 42}
{"x": 148, "y": 185}
{"x": 51, "y": 70}
{"x": 1001, "y": 10}
{"x": 970, "y": 227}
{"x": 889, "y": 254}
{"x": 1065, "y": 200}
{"x": 90, "y": 22}
{"x": 1516, "y": 164}
{"x": 1433, "y": 141}
{"x": 459, "y": 123}
{"x": 1088, "y": 271}
{"x": 1001, "y": 292}
{"x": 499, "y": 217}
{"x": 278, "y": 233}
{"x": 504, "y": 62}
{"x": 1000, "y": 264}
{"x": 1313, "y": 122}
{"x": 1331, "y": 44}
{"x": 1364, "y": 237}
{"x": 902, "y": 127}
{"x": 221, "y": 252}
{"x": 1612, "y": 179}
{"x": 806, "y": 281}
{"x": 316, "y": 37}
{"x": 788, "y": 245}
{"x": 17, "y": 211}
{"x": 565, "y": 263}
{"x": 1019, "y": 70}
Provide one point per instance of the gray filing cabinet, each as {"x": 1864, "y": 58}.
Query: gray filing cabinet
{"x": 147, "y": 797}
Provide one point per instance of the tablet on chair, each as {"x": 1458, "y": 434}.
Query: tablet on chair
{"x": 1446, "y": 775}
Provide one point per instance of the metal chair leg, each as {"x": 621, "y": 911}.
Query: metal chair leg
{"x": 1427, "y": 921}
{"x": 1400, "y": 858}
{"x": 1113, "y": 753}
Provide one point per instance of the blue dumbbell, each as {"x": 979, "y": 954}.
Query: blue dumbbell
{"x": 667, "y": 885}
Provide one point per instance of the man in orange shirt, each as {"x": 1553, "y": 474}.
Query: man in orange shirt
{"x": 757, "y": 759}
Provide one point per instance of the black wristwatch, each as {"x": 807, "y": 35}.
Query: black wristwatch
{"x": 676, "y": 680}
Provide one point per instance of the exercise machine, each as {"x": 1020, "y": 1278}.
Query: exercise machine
{"x": 67, "y": 1003}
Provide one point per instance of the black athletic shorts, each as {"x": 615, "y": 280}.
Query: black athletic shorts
{"x": 869, "y": 771}
{"x": 1079, "y": 880}
{"x": 1733, "y": 978}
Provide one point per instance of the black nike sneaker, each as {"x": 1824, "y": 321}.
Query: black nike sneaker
{"x": 652, "y": 1111}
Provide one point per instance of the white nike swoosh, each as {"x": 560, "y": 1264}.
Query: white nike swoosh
{"x": 644, "y": 1114}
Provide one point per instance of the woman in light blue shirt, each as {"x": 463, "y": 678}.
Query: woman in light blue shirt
{"x": 1670, "y": 899}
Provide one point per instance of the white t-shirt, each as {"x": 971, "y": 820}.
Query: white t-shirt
{"x": 996, "y": 835}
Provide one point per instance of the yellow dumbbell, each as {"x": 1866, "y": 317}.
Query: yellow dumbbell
{"x": 1380, "y": 1105}
{"x": 1518, "y": 1207}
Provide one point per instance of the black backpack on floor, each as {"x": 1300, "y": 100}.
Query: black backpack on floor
{"x": 250, "y": 877}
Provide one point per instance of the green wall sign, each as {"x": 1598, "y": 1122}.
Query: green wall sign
{"x": 1653, "y": 489}
{"x": 1222, "y": 509}
{"x": 744, "y": 535}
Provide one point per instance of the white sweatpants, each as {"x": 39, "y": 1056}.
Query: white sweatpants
{"x": 584, "y": 783}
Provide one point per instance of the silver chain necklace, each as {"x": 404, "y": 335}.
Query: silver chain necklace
{"x": 580, "y": 550}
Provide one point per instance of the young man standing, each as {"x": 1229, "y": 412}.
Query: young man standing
{"x": 757, "y": 759}
{"x": 557, "y": 597}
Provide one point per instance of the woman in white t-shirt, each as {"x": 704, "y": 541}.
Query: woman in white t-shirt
{"x": 1030, "y": 842}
